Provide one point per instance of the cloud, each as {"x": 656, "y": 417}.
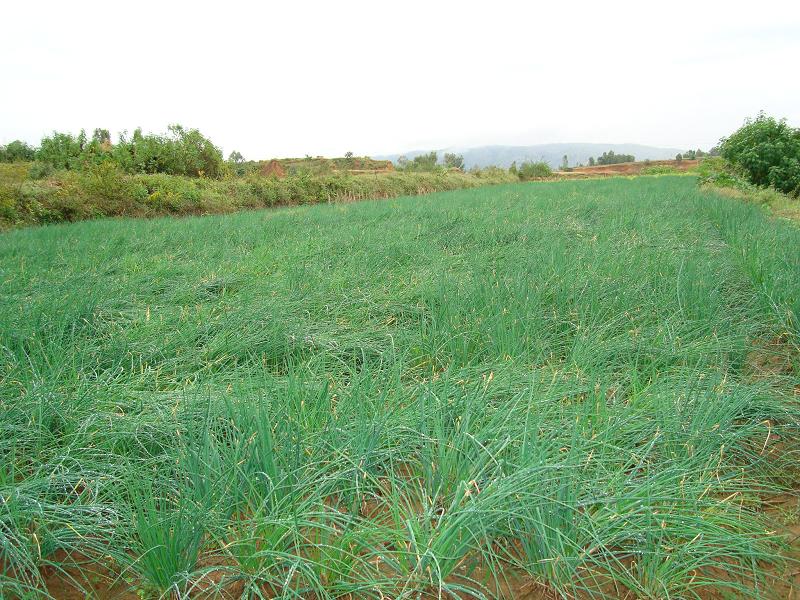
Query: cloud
{"x": 324, "y": 78}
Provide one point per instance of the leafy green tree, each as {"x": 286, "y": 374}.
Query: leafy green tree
{"x": 16, "y": 151}
{"x": 61, "y": 150}
{"x": 180, "y": 152}
{"x": 424, "y": 162}
{"x": 679, "y": 157}
{"x": 101, "y": 136}
{"x": 610, "y": 158}
{"x": 591, "y": 161}
{"x": 236, "y": 157}
{"x": 767, "y": 152}
{"x": 534, "y": 170}
{"x": 454, "y": 161}
{"x": 513, "y": 168}
{"x": 564, "y": 163}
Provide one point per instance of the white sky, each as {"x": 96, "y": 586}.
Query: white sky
{"x": 295, "y": 78}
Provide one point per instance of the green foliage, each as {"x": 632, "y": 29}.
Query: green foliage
{"x": 40, "y": 170}
{"x": 101, "y": 136}
{"x": 592, "y": 162}
{"x": 181, "y": 152}
{"x": 610, "y": 158}
{"x": 767, "y": 152}
{"x": 16, "y": 151}
{"x": 534, "y": 170}
{"x": 62, "y": 150}
{"x": 658, "y": 170}
{"x": 103, "y": 189}
{"x": 423, "y": 162}
{"x": 453, "y": 161}
{"x": 691, "y": 155}
{"x": 718, "y": 172}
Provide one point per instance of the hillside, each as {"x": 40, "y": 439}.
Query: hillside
{"x": 503, "y": 156}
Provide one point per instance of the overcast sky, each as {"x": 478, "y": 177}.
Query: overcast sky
{"x": 295, "y": 78}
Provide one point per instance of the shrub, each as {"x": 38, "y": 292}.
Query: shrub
{"x": 658, "y": 170}
{"x": 40, "y": 170}
{"x": 423, "y": 162}
{"x": 717, "y": 172}
{"x": 454, "y": 161}
{"x": 111, "y": 191}
{"x": 610, "y": 158}
{"x": 16, "y": 151}
{"x": 8, "y": 203}
{"x": 534, "y": 170}
{"x": 61, "y": 150}
{"x": 767, "y": 152}
{"x": 180, "y": 152}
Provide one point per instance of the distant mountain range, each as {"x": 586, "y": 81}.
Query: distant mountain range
{"x": 503, "y": 156}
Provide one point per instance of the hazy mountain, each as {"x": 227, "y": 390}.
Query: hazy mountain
{"x": 503, "y": 156}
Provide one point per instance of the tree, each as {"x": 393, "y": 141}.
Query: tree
{"x": 534, "y": 170}
{"x": 513, "y": 168}
{"x": 180, "y": 152}
{"x": 591, "y": 161}
{"x": 454, "y": 161}
{"x": 679, "y": 157}
{"x": 767, "y": 152}
{"x": 236, "y": 157}
{"x": 610, "y": 158}
{"x": 101, "y": 136}
{"x": 348, "y": 155}
{"x": 425, "y": 162}
{"x": 16, "y": 151}
{"x": 60, "y": 150}
{"x": 564, "y": 163}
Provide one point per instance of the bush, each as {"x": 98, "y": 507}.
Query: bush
{"x": 454, "y": 161}
{"x": 610, "y": 158}
{"x": 180, "y": 152}
{"x": 658, "y": 170}
{"x": 767, "y": 152}
{"x": 111, "y": 191}
{"x": 40, "y": 170}
{"x": 719, "y": 173}
{"x": 423, "y": 162}
{"x": 61, "y": 150}
{"x": 534, "y": 170}
{"x": 8, "y": 203}
{"x": 16, "y": 151}
{"x": 104, "y": 189}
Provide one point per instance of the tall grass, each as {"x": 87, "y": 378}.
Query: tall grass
{"x": 104, "y": 190}
{"x": 464, "y": 395}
